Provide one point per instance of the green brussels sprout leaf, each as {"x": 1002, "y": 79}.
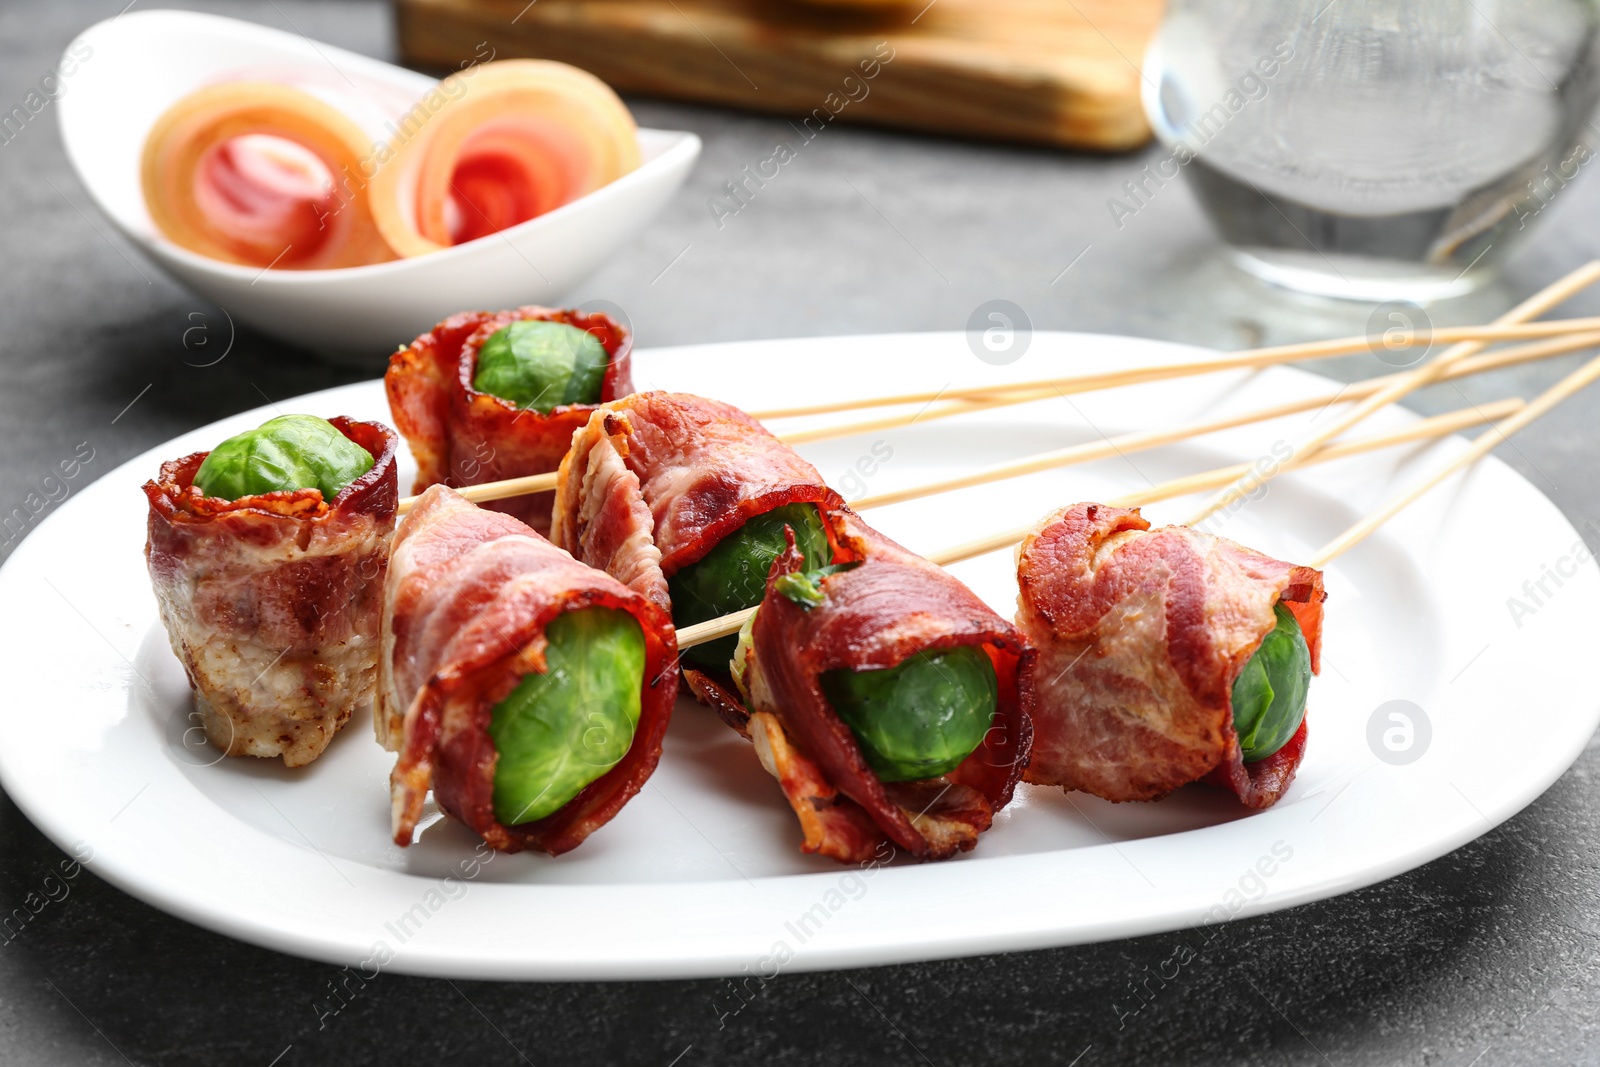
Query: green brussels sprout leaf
{"x": 541, "y": 365}
{"x": 558, "y": 731}
{"x": 740, "y": 661}
{"x": 733, "y": 575}
{"x": 1269, "y": 696}
{"x": 922, "y": 717}
{"x": 286, "y": 453}
{"x": 805, "y": 587}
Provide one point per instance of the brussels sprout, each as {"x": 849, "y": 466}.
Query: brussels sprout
{"x": 288, "y": 452}
{"x": 805, "y": 587}
{"x": 1269, "y": 696}
{"x": 541, "y": 365}
{"x": 733, "y": 575}
{"x": 560, "y": 730}
{"x": 921, "y": 717}
{"x": 801, "y": 588}
{"x": 739, "y": 665}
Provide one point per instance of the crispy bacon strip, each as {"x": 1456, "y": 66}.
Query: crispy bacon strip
{"x": 468, "y": 596}
{"x": 831, "y": 824}
{"x": 271, "y": 602}
{"x": 600, "y": 514}
{"x": 697, "y": 470}
{"x": 890, "y": 606}
{"x": 462, "y": 437}
{"x": 1140, "y": 635}
{"x": 704, "y": 468}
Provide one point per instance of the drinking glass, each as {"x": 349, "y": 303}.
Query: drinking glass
{"x": 1374, "y": 149}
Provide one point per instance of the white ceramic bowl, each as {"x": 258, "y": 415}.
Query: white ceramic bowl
{"x": 139, "y": 63}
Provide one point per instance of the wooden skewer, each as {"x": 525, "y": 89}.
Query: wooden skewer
{"x": 1123, "y": 444}
{"x": 987, "y": 398}
{"x": 1132, "y": 442}
{"x": 1427, "y": 373}
{"x": 711, "y": 629}
{"x": 501, "y": 490}
{"x": 927, "y": 414}
{"x": 1503, "y": 329}
{"x": 1194, "y": 483}
{"x": 1424, "y": 429}
{"x": 1486, "y": 442}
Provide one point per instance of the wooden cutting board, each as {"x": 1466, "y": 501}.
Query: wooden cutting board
{"x": 1054, "y": 72}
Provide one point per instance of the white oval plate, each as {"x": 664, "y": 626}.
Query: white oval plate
{"x": 701, "y": 874}
{"x": 127, "y": 70}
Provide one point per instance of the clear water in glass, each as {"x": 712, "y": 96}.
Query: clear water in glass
{"x": 1375, "y": 149}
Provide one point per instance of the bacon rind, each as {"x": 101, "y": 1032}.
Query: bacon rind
{"x": 891, "y": 605}
{"x": 272, "y": 602}
{"x": 468, "y": 596}
{"x": 705, "y": 468}
{"x": 1140, "y": 634}
{"x": 462, "y": 437}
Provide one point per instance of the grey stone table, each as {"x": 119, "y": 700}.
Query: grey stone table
{"x": 1486, "y": 956}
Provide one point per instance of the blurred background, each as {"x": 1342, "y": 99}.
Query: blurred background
{"x": 1004, "y": 150}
